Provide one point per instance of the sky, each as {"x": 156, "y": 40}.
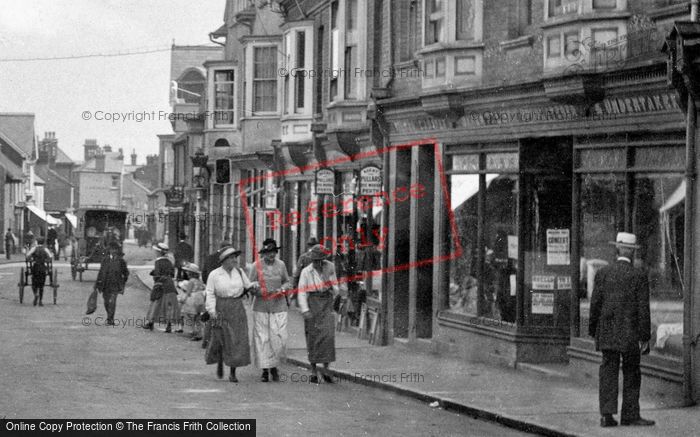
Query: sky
{"x": 63, "y": 93}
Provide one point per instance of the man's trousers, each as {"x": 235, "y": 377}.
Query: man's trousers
{"x": 608, "y": 383}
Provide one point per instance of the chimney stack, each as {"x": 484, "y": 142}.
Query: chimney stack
{"x": 107, "y": 148}
{"x": 90, "y": 149}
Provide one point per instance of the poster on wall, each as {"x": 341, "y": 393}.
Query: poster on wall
{"x": 558, "y": 242}
{"x": 370, "y": 180}
{"x": 542, "y": 303}
{"x": 325, "y": 181}
{"x": 513, "y": 246}
{"x": 543, "y": 282}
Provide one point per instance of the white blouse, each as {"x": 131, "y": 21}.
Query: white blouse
{"x": 224, "y": 284}
{"x": 311, "y": 281}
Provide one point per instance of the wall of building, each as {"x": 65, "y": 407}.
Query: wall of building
{"x": 96, "y": 190}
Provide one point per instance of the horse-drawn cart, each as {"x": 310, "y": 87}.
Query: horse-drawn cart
{"x": 96, "y": 229}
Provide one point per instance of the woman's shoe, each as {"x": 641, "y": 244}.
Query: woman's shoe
{"x": 232, "y": 376}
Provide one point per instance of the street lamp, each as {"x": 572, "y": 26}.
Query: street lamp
{"x": 199, "y": 165}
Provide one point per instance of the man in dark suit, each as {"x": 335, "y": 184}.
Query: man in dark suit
{"x": 111, "y": 279}
{"x": 183, "y": 254}
{"x": 620, "y": 322}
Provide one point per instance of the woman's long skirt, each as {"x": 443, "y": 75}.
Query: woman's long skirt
{"x": 320, "y": 328}
{"x": 229, "y": 334}
{"x": 269, "y": 338}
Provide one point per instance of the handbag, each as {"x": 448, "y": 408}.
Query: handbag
{"x": 92, "y": 302}
{"x": 157, "y": 291}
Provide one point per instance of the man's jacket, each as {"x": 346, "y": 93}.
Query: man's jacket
{"x": 113, "y": 275}
{"x": 620, "y": 317}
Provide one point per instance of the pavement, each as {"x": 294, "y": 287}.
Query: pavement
{"x": 525, "y": 400}
{"x": 59, "y": 363}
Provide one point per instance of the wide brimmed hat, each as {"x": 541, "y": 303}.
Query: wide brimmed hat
{"x": 228, "y": 252}
{"x": 269, "y": 245}
{"x": 625, "y": 239}
{"x": 161, "y": 247}
{"x": 114, "y": 245}
{"x": 192, "y": 267}
{"x": 318, "y": 252}
{"x": 312, "y": 241}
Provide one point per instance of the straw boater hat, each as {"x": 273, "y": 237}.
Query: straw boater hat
{"x": 161, "y": 247}
{"x": 228, "y": 252}
{"x": 625, "y": 239}
{"x": 270, "y": 245}
{"x": 318, "y": 252}
{"x": 192, "y": 267}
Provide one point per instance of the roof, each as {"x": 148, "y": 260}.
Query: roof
{"x": 220, "y": 32}
{"x": 137, "y": 184}
{"x": 112, "y": 164}
{"x": 46, "y": 173}
{"x": 62, "y": 157}
{"x": 19, "y": 128}
{"x": 184, "y": 57}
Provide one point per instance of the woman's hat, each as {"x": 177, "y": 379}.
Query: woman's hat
{"x": 269, "y": 245}
{"x": 312, "y": 241}
{"x": 161, "y": 247}
{"x": 318, "y": 252}
{"x": 625, "y": 239}
{"x": 228, "y": 252}
{"x": 192, "y": 267}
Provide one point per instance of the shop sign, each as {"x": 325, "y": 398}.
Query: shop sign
{"x": 325, "y": 181}
{"x": 370, "y": 180}
{"x": 637, "y": 104}
{"x": 543, "y": 282}
{"x": 558, "y": 247}
{"x": 175, "y": 196}
{"x": 513, "y": 246}
{"x": 563, "y": 282}
{"x": 542, "y": 303}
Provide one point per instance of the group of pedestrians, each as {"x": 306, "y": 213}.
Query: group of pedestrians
{"x": 217, "y": 307}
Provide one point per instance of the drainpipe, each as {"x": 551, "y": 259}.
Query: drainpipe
{"x": 691, "y": 125}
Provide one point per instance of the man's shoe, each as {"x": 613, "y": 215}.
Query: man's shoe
{"x": 607, "y": 421}
{"x": 110, "y": 322}
{"x": 275, "y": 374}
{"x": 637, "y": 422}
{"x": 265, "y": 376}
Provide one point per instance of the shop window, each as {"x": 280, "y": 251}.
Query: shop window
{"x": 224, "y": 97}
{"x": 483, "y": 279}
{"x": 265, "y": 79}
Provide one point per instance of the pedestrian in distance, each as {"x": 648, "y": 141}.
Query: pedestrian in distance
{"x": 318, "y": 287}
{"x": 164, "y": 305}
{"x": 9, "y": 243}
{"x": 40, "y": 257}
{"x": 270, "y": 308}
{"x": 183, "y": 254}
{"x": 620, "y": 321}
{"x": 226, "y": 288}
{"x": 111, "y": 279}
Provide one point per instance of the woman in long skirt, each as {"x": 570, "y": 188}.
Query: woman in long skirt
{"x": 226, "y": 288}
{"x": 164, "y": 305}
{"x": 318, "y": 286}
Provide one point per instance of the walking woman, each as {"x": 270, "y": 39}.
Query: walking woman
{"x": 226, "y": 288}
{"x": 164, "y": 305}
{"x": 318, "y": 287}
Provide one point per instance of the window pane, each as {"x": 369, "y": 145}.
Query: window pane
{"x": 502, "y": 161}
{"x": 465, "y": 20}
{"x": 351, "y": 15}
{"x": 349, "y": 76}
{"x": 300, "y": 79}
{"x": 223, "y": 97}
{"x": 602, "y": 159}
{"x": 465, "y": 162}
{"x": 562, "y": 7}
{"x": 501, "y": 230}
{"x": 659, "y": 219}
{"x": 554, "y": 46}
{"x": 463, "y": 270}
{"x": 602, "y": 216}
{"x": 654, "y": 157}
{"x": 265, "y": 82}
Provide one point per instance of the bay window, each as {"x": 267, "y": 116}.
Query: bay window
{"x": 347, "y": 63}
{"x": 297, "y": 89}
{"x": 222, "y": 89}
{"x": 264, "y": 97}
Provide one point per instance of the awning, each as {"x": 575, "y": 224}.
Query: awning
{"x": 43, "y": 215}
{"x": 677, "y": 197}
{"x": 72, "y": 219}
{"x": 464, "y": 188}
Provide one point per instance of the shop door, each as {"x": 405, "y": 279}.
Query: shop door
{"x": 546, "y": 169}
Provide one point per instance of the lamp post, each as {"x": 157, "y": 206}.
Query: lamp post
{"x": 199, "y": 164}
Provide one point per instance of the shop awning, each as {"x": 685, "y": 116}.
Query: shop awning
{"x": 72, "y": 219}
{"x": 677, "y": 197}
{"x": 43, "y": 215}
{"x": 464, "y": 188}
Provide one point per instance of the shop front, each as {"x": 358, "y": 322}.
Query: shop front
{"x": 531, "y": 183}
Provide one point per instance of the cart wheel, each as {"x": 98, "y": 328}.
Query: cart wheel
{"x": 21, "y": 285}
{"x": 54, "y": 285}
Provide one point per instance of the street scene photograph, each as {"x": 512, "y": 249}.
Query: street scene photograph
{"x": 350, "y": 217}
